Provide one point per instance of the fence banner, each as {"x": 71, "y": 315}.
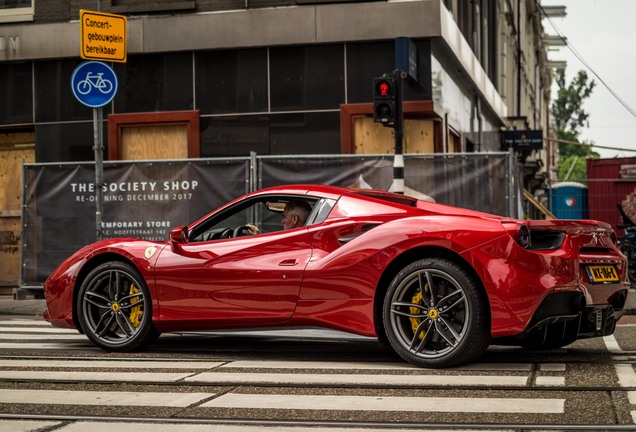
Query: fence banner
{"x": 141, "y": 200}
{"x": 371, "y": 172}
{"x": 474, "y": 181}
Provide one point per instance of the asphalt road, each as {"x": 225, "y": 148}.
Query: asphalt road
{"x": 311, "y": 380}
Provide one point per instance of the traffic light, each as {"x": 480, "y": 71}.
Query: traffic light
{"x": 384, "y": 92}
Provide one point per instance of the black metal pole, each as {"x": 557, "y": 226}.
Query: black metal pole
{"x": 398, "y": 159}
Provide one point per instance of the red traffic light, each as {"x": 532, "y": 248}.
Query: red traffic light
{"x": 384, "y": 100}
{"x": 384, "y": 88}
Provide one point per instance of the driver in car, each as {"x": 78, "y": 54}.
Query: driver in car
{"x": 295, "y": 215}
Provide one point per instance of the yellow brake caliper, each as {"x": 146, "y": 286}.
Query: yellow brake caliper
{"x": 135, "y": 312}
{"x": 415, "y": 322}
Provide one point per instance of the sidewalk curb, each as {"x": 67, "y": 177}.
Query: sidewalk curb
{"x": 22, "y": 307}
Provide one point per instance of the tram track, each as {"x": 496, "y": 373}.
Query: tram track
{"x": 325, "y": 425}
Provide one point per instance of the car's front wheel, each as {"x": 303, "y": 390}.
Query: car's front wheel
{"x": 114, "y": 308}
{"x": 435, "y": 315}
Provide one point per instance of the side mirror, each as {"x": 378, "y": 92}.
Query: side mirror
{"x": 178, "y": 236}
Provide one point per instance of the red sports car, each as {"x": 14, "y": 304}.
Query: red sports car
{"x": 438, "y": 283}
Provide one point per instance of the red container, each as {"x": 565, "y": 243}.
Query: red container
{"x": 611, "y": 182}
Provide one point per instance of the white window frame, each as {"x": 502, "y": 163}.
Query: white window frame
{"x": 17, "y": 14}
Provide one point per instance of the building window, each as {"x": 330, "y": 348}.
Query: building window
{"x": 16, "y": 10}
{"x": 130, "y": 6}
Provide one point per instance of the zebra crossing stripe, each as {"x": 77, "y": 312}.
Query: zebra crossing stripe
{"x": 93, "y": 426}
{"x": 61, "y": 346}
{"x": 272, "y": 378}
{"x": 289, "y": 402}
{"x": 93, "y": 376}
{"x": 26, "y": 425}
{"x": 24, "y": 322}
{"x": 358, "y": 379}
{"x": 27, "y": 329}
{"x": 266, "y": 364}
{"x": 110, "y": 364}
{"x": 394, "y": 404}
{"x": 550, "y": 381}
{"x": 115, "y": 398}
{"x": 42, "y": 336}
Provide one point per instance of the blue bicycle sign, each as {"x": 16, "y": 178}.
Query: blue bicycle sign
{"x": 94, "y": 84}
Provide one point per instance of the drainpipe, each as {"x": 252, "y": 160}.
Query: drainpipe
{"x": 518, "y": 58}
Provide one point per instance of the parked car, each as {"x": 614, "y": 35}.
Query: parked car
{"x": 438, "y": 283}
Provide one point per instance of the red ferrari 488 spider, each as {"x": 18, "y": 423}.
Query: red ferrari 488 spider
{"x": 438, "y": 283}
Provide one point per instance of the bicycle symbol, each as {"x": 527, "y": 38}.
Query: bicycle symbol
{"x": 94, "y": 84}
{"x": 94, "y": 80}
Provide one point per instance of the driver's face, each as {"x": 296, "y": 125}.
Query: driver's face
{"x": 289, "y": 221}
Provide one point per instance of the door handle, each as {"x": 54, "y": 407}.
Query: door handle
{"x": 289, "y": 262}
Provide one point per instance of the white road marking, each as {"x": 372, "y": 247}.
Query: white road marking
{"x": 32, "y": 322}
{"x": 626, "y": 375}
{"x": 43, "y": 336}
{"x": 612, "y": 344}
{"x": 37, "y": 330}
{"x": 93, "y": 376}
{"x": 25, "y": 425}
{"x": 394, "y": 404}
{"x": 550, "y": 381}
{"x": 155, "y": 427}
{"x": 337, "y": 379}
{"x": 267, "y": 364}
{"x": 110, "y": 364}
{"x": 271, "y": 378}
{"x": 62, "y": 397}
{"x": 33, "y": 346}
{"x": 552, "y": 367}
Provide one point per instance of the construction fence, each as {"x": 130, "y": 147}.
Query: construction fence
{"x": 146, "y": 199}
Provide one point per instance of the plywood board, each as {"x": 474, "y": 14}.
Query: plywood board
{"x": 373, "y": 138}
{"x": 13, "y": 139}
{"x": 9, "y": 250}
{"x": 154, "y": 142}
{"x": 11, "y": 160}
{"x": 15, "y": 150}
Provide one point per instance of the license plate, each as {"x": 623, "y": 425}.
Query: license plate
{"x": 602, "y": 273}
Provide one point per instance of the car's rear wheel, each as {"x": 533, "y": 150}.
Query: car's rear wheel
{"x": 435, "y": 315}
{"x": 114, "y": 308}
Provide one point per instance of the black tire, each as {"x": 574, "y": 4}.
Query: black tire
{"x": 435, "y": 315}
{"x": 114, "y": 308}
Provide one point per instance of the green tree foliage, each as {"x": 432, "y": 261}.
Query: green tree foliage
{"x": 570, "y": 117}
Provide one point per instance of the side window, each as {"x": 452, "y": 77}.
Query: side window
{"x": 262, "y": 215}
{"x": 321, "y": 211}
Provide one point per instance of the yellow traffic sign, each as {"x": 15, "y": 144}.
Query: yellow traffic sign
{"x": 103, "y": 36}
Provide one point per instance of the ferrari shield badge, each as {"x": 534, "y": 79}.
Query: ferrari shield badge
{"x": 150, "y": 251}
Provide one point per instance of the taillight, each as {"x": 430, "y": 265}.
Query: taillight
{"x": 519, "y": 232}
